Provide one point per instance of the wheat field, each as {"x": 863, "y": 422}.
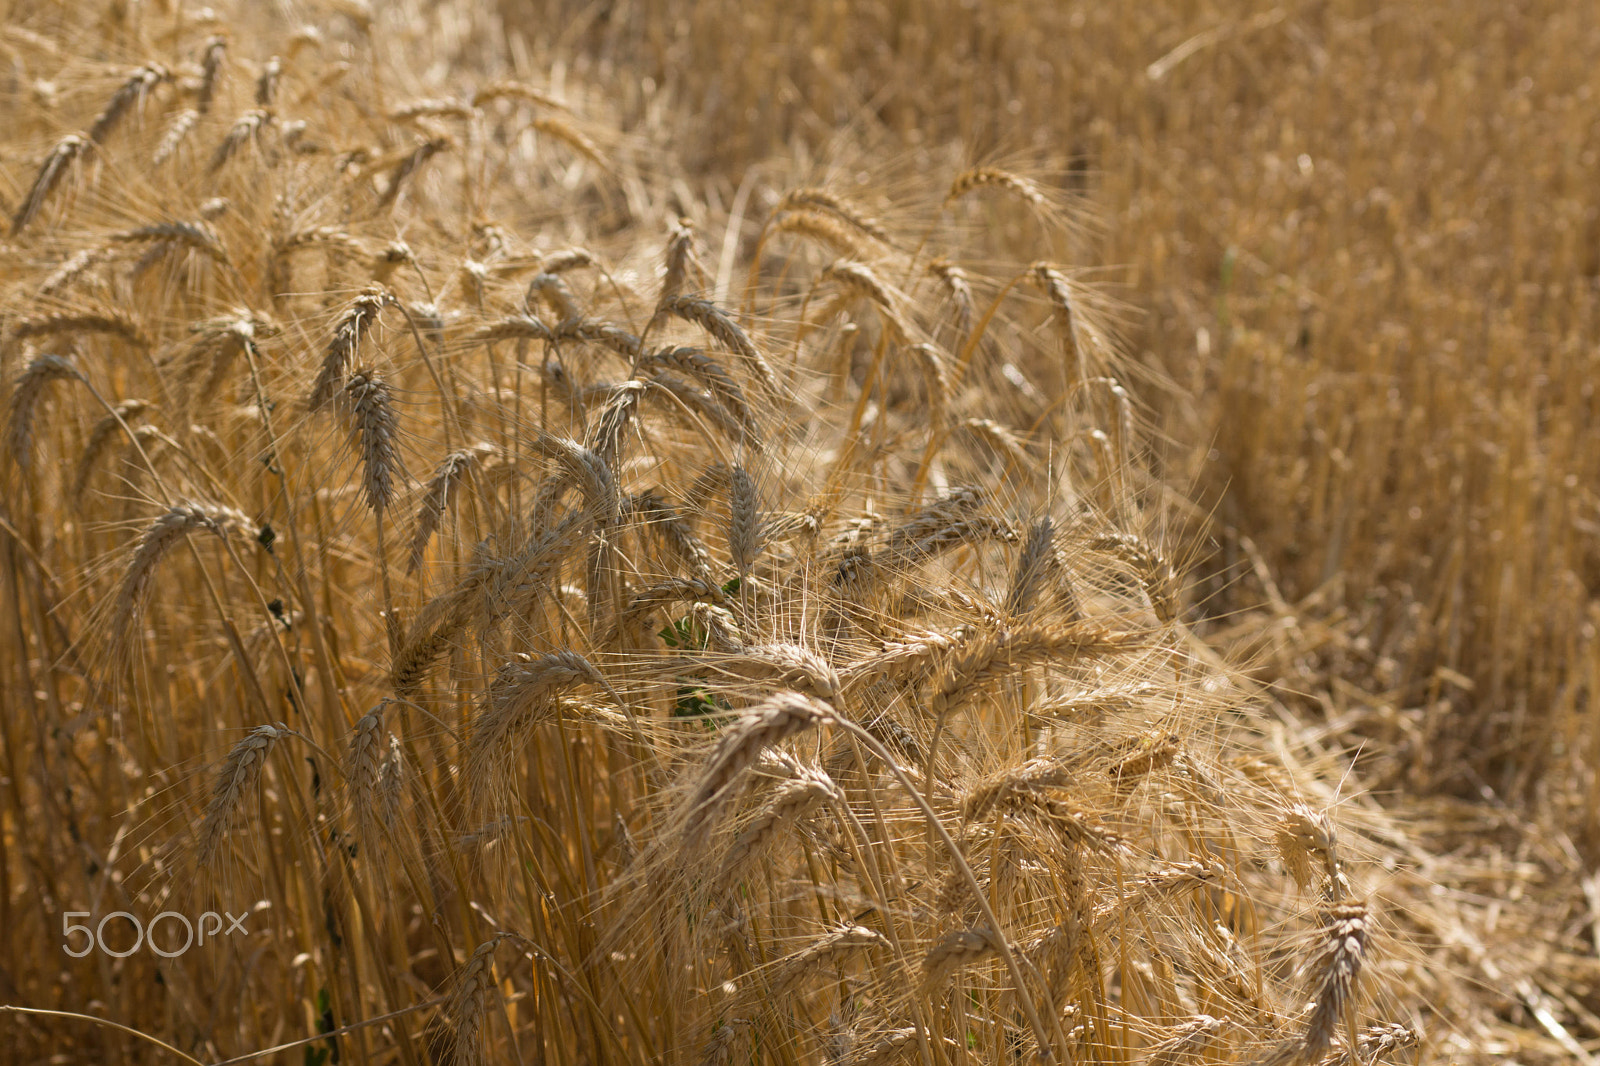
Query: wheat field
{"x": 753, "y": 533}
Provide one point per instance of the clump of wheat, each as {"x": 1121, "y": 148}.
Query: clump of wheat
{"x": 751, "y": 665}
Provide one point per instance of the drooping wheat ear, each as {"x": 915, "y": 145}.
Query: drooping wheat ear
{"x": 825, "y": 229}
{"x": 267, "y": 82}
{"x": 112, "y": 321}
{"x": 771, "y": 722}
{"x": 71, "y": 269}
{"x": 1186, "y": 1041}
{"x": 555, "y": 293}
{"x": 1164, "y": 883}
{"x": 1149, "y": 566}
{"x": 412, "y": 110}
{"x": 159, "y": 538}
{"x": 1003, "y": 441}
{"x": 364, "y": 772}
{"x": 915, "y": 656}
{"x": 441, "y": 489}
{"x": 372, "y": 426}
{"x": 572, "y": 137}
{"x": 706, "y": 410}
{"x": 708, "y": 373}
{"x": 395, "y": 254}
{"x": 353, "y": 325}
{"x": 241, "y": 772}
{"x": 1305, "y": 835}
{"x": 470, "y": 999}
{"x": 956, "y": 950}
{"x": 674, "y": 532}
{"x": 994, "y": 177}
{"x": 1038, "y": 566}
{"x": 745, "y": 539}
{"x": 589, "y": 471}
{"x": 596, "y": 331}
{"x": 100, "y": 438}
{"x": 890, "y": 1046}
{"x": 409, "y": 166}
{"x": 726, "y": 332}
{"x": 793, "y": 801}
{"x": 1346, "y": 928}
{"x": 391, "y": 782}
{"x": 223, "y": 342}
{"x": 958, "y": 287}
{"x": 567, "y": 259}
{"x": 989, "y": 655}
{"x": 431, "y": 631}
{"x": 824, "y": 202}
{"x": 1153, "y": 751}
{"x": 51, "y": 172}
{"x": 1378, "y": 1041}
{"x": 681, "y": 260}
{"x": 833, "y": 946}
{"x": 216, "y": 50}
{"x": 197, "y": 235}
{"x": 720, "y": 628}
{"x": 858, "y": 279}
{"x": 177, "y": 131}
{"x": 516, "y": 90}
{"x": 513, "y": 328}
{"x": 610, "y": 429}
{"x": 785, "y": 664}
{"x": 246, "y": 129}
{"x": 131, "y": 93}
{"x": 25, "y": 401}
{"x": 726, "y": 1046}
{"x": 522, "y": 694}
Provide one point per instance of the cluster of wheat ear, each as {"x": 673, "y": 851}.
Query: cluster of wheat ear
{"x": 674, "y": 648}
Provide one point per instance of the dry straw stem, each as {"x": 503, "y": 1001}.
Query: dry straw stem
{"x": 241, "y": 772}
